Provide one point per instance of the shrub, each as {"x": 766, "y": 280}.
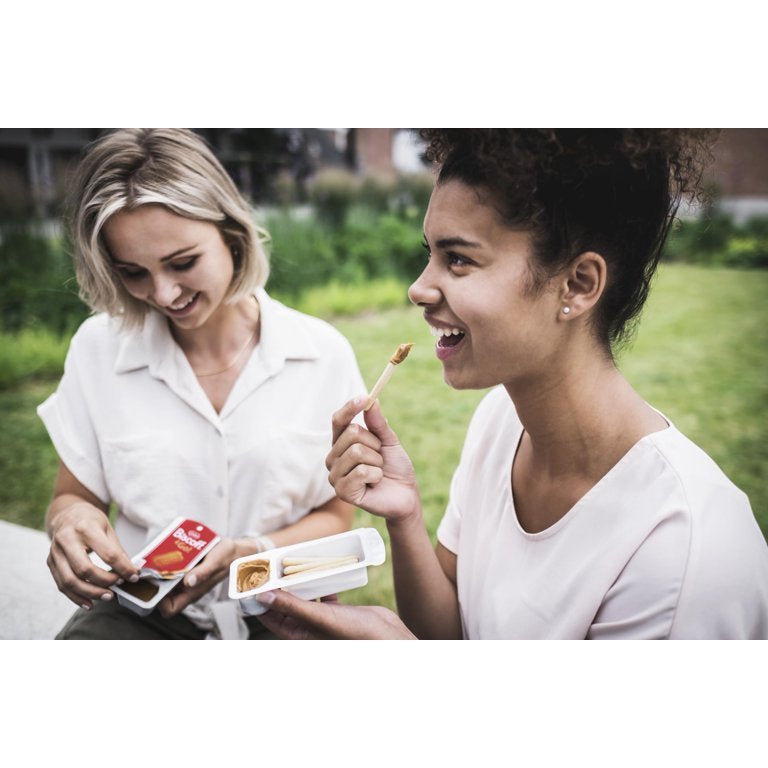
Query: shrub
{"x": 37, "y": 282}
{"x": 302, "y": 253}
{"x": 332, "y": 193}
{"x": 31, "y": 353}
{"x": 716, "y": 240}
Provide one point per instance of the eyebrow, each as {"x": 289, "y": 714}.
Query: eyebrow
{"x": 170, "y": 256}
{"x": 452, "y": 242}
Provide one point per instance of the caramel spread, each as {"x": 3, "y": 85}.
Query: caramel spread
{"x": 252, "y": 574}
{"x": 141, "y": 589}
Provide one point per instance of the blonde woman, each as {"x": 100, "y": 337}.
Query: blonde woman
{"x": 189, "y": 391}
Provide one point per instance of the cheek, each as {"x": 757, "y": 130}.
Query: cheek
{"x": 134, "y": 288}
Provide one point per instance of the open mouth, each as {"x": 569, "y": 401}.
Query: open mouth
{"x": 447, "y": 340}
{"x": 447, "y": 337}
{"x": 185, "y": 306}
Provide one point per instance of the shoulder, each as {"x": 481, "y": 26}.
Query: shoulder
{"x": 725, "y": 586}
{"x": 97, "y": 336}
{"x": 705, "y": 487}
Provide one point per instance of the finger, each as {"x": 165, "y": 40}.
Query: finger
{"x": 319, "y": 617}
{"x": 71, "y": 558}
{"x": 287, "y": 628}
{"x": 345, "y": 414}
{"x": 113, "y": 554}
{"x": 172, "y": 604}
{"x": 196, "y": 583}
{"x": 355, "y": 455}
{"x": 62, "y": 587}
{"x": 352, "y": 435}
{"x": 353, "y": 487}
{"x": 376, "y": 423}
{"x": 187, "y": 592}
{"x": 76, "y": 589}
{"x": 74, "y": 544}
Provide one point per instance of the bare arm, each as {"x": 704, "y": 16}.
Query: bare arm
{"x": 369, "y": 468}
{"x": 335, "y": 516}
{"x": 425, "y": 582}
{"x": 76, "y": 522}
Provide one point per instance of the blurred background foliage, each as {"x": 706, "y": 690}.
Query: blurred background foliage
{"x": 350, "y": 231}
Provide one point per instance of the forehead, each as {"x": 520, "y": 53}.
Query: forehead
{"x": 457, "y": 206}
{"x": 457, "y": 210}
{"x": 153, "y": 231}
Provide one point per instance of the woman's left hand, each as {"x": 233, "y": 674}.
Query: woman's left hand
{"x": 292, "y": 618}
{"x": 203, "y": 577}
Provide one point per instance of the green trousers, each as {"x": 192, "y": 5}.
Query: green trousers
{"x": 110, "y": 621}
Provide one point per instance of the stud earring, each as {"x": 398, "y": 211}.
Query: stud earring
{"x": 566, "y": 310}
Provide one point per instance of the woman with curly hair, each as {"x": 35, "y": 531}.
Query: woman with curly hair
{"x": 577, "y": 509}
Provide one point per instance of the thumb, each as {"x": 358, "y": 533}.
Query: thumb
{"x": 379, "y": 426}
{"x": 317, "y": 615}
{"x": 199, "y": 574}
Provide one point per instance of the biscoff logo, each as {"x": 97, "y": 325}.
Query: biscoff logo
{"x": 187, "y": 538}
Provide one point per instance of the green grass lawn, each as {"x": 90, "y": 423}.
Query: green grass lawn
{"x": 699, "y": 356}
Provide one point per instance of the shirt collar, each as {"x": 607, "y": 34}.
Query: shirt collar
{"x": 284, "y": 336}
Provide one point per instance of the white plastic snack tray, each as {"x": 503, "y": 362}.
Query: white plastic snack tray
{"x": 365, "y": 543}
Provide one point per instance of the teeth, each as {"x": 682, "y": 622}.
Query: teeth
{"x": 186, "y": 303}
{"x": 439, "y": 332}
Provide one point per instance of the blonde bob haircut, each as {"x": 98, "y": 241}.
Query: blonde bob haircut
{"x": 172, "y": 167}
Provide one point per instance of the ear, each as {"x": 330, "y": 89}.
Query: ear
{"x": 583, "y": 284}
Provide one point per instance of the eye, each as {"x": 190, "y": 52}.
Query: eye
{"x": 129, "y": 273}
{"x": 457, "y": 260}
{"x": 184, "y": 264}
{"x": 425, "y": 246}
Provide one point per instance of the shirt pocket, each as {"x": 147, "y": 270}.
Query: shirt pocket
{"x": 297, "y": 479}
{"x": 140, "y": 471}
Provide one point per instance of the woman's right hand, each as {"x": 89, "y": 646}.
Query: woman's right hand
{"x": 368, "y": 467}
{"x": 75, "y": 531}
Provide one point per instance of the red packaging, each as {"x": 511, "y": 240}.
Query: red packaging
{"x": 179, "y": 550}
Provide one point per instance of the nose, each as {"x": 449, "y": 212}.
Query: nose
{"x": 165, "y": 290}
{"x": 423, "y": 291}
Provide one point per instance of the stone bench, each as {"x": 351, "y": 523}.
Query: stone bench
{"x": 31, "y": 607}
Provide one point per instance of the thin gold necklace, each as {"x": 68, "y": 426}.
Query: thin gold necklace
{"x": 237, "y": 357}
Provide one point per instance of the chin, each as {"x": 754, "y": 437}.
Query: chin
{"x": 464, "y": 379}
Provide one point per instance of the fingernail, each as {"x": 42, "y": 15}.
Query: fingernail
{"x": 119, "y": 582}
{"x": 106, "y": 596}
{"x": 86, "y": 606}
{"x": 266, "y": 598}
{"x": 191, "y": 580}
{"x": 359, "y": 402}
{"x": 134, "y": 578}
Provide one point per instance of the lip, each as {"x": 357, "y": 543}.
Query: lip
{"x": 445, "y": 325}
{"x": 444, "y": 353}
{"x": 184, "y": 310}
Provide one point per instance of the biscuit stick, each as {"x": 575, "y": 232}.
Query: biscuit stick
{"x": 400, "y": 354}
{"x": 333, "y": 563}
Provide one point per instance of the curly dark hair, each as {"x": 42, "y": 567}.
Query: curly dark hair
{"x": 614, "y": 191}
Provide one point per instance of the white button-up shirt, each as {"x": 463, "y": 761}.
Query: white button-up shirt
{"x": 131, "y": 422}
